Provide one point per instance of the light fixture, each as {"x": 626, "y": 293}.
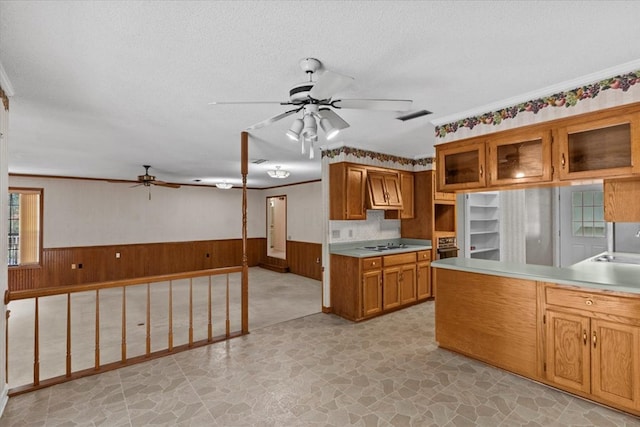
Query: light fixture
{"x": 296, "y": 128}
{"x": 328, "y": 128}
{"x": 224, "y": 185}
{"x": 278, "y": 173}
{"x": 310, "y": 126}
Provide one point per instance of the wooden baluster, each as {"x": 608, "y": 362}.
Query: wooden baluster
{"x": 6, "y": 345}
{"x": 170, "y": 344}
{"x": 36, "y": 348}
{"x": 97, "y": 356}
{"x": 68, "y": 372}
{"x": 148, "y": 320}
{"x": 190, "y": 312}
{"x": 209, "y": 324}
{"x": 228, "y": 325}
{"x": 124, "y": 324}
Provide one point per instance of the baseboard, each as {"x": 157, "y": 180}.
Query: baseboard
{"x": 327, "y": 309}
{"x": 4, "y": 398}
{"x": 276, "y": 268}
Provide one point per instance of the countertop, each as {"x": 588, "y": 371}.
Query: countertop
{"x": 356, "y": 249}
{"x": 586, "y": 274}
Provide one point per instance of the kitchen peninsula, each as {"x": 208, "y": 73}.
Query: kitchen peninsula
{"x": 574, "y": 328}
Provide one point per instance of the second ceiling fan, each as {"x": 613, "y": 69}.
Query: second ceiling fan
{"x": 315, "y": 100}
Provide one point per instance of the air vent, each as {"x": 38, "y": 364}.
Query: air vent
{"x": 258, "y": 161}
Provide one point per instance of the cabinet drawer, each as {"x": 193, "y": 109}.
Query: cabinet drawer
{"x": 371, "y": 263}
{"x": 424, "y": 256}
{"x": 399, "y": 259}
{"x": 594, "y": 301}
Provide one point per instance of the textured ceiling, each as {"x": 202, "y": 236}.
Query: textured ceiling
{"x": 103, "y": 87}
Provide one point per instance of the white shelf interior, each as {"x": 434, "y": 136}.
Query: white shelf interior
{"x": 482, "y": 225}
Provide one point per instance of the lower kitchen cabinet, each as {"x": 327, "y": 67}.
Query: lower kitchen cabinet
{"x": 589, "y": 354}
{"x": 365, "y": 287}
{"x": 423, "y": 279}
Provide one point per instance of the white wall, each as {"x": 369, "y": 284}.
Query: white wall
{"x": 88, "y": 213}
{"x": 304, "y": 210}
{"x": 91, "y": 213}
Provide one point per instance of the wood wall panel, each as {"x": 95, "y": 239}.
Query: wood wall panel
{"x": 303, "y": 258}
{"x": 99, "y": 263}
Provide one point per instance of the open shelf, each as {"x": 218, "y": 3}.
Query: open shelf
{"x": 482, "y": 225}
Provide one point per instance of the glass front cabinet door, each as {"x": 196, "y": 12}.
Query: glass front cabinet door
{"x": 461, "y": 166}
{"x": 601, "y": 148}
{"x": 520, "y": 158}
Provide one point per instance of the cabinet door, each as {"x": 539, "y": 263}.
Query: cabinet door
{"x": 376, "y": 190}
{"x": 423, "y": 280}
{"x": 391, "y": 287}
{"x": 616, "y": 362}
{"x": 520, "y": 158}
{"x": 407, "y": 189}
{"x": 461, "y": 167}
{"x": 355, "y": 193}
{"x": 371, "y": 292}
{"x": 568, "y": 350}
{"x": 393, "y": 192}
{"x": 600, "y": 148}
{"x": 408, "y": 284}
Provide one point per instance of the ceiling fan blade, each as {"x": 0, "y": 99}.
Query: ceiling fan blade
{"x": 165, "y": 184}
{"x": 335, "y": 119}
{"x": 373, "y": 104}
{"x": 247, "y": 102}
{"x": 328, "y": 84}
{"x": 413, "y": 115}
{"x": 272, "y": 119}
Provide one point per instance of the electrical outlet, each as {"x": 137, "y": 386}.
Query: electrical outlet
{"x": 117, "y": 254}
{"x": 73, "y": 266}
{"x": 350, "y": 233}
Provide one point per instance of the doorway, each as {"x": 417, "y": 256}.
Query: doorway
{"x": 277, "y": 227}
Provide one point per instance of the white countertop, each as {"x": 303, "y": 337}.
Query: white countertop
{"x": 587, "y": 273}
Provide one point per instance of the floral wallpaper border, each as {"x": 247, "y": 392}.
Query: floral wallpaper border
{"x": 561, "y": 99}
{"x": 362, "y": 154}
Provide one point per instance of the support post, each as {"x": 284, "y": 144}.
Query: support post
{"x": 245, "y": 268}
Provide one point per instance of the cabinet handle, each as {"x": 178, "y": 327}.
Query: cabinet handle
{"x": 595, "y": 339}
{"x": 584, "y": 337}
{"x": 588, "y": 302}
{"x": 562, "y": 161}
{"x": 481, "y": 171}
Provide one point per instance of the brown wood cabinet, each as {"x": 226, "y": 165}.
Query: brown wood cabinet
{"x": 596, "y": 145}
{"x": 599, "y": 148}
{"x": 347, "y": 185}
{"x": 622, "y": 200}
{"x": 407, "y": 191}
{"x": 423, "y": 275}
{"x": 383, "y": 190}
{"x": 590, "y": 347}
{"x": 366, "y": 287}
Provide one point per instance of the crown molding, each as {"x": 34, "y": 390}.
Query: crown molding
{"x": 559, "y": 87}
{"x": 5, "y": 84}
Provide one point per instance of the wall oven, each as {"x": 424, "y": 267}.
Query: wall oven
{"x": 446, "y": 247}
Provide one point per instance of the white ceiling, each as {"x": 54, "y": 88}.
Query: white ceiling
{"x": 103, "y": 87}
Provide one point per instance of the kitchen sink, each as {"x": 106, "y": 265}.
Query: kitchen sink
{"x": 618, "y": 259}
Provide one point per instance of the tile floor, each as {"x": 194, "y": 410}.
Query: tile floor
{"x": 318, "y": 370}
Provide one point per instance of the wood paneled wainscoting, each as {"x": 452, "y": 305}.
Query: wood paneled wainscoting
{"x": 93, "y": 264}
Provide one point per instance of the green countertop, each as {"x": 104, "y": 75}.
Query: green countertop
{"x": 356, "y": 249}
{"x": 587, "y": 273}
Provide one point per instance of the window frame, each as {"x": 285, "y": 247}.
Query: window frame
{"x": 40, "y": 192}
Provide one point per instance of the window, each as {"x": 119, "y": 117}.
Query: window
{"x": 588, "y": 214}
{"x": 25, "y": 226}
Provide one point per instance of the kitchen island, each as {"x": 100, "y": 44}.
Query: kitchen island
{"x": 375, "y": 277}
{"x": 575, "y": 328}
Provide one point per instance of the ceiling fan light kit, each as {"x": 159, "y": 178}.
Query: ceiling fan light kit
{"x": 315, "y": 100}
{"x": 278, "y": 173}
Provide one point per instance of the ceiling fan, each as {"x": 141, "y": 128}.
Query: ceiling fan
{"x": 314, "y": 99}
{"x": 149, "y": 180}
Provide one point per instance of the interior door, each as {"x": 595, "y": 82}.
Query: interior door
{"x": 583, "y": 231}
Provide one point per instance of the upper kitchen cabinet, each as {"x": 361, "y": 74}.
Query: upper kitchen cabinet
{"x": 520, "y": 158}
{"x": 347, "y": 184}
{"x": 383, "y": 190}
{"x": 461, "y": 165}
{"x": 599, "y": 148}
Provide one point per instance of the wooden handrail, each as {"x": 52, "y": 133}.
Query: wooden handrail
{"x": 60, "y": 290}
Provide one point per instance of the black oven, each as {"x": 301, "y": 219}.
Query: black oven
{"x": 446, "y": 247}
